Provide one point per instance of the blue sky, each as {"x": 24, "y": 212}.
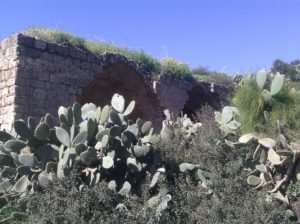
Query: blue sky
{"x": 240, "y": 35}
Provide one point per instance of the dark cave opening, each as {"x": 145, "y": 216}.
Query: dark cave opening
{"x": 198, "y": 97}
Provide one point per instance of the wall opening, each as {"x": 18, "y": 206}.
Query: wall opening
{"x": 121, "y": 78}
{"x": 198, "y": 97}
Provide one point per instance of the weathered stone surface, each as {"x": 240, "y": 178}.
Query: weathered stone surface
{"x": 40, "y": 44}
{"x": 37, "y": 77}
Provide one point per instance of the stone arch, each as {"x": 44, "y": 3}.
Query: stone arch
{"x": 198, "y": 96}
{"x": 120, "y": 77}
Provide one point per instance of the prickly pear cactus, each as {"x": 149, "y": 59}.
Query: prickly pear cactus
{"x": 227, "y": 120}
{"x": 89, "y": 141}
{"x": 275, "y": 164}
{"x": 276, "y": 83}
{"x": 183, "y": 124}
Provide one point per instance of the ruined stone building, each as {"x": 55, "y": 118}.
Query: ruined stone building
{"x": 37, "y": 77}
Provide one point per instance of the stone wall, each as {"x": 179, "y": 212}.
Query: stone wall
{"x": 8, "y": 73}
{"x": 37, "y": 77}
{"x": 46, "y": 76}
{"x": 178, "y": 95}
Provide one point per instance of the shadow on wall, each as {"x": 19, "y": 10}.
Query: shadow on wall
{"x": 122, "y": 79}
{"x": 198, "y": 97}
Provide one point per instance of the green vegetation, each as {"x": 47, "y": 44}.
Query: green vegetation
{"x": 239, "y": 165}
{"x": 260, "y": 108}
{"x": 291, "y": 70}
{"x": 143, "y": 60}
{"x": 11, "y": 214}
{"x": 176, "y": 69}
{"x": 104, "y": 167}
{"x": 204, "y": 75}
{"x": 166, "y": 66}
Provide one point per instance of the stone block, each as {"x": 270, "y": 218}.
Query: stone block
{"x": 47, "y": 57}
{"x": 54, "y": 78}
{"x": 21, "y": 108}
{"x": 24, "y": 91}
{"x": 39, "y": 94}
{"x": 43, "y": 76}
{"x": 25, "y": 40}
{"x": 10, "y": 82}
{"x": 29, "y": 52}
{"x": 20, "y": 81}
{"x": 21, "y": 100}
{"x": 56, "y": 49}
{"x": 36, "y": 84}
{"x": 72, "y": 90}
{"x": 12, "y": 90}
{"x": 74, "y": 53}
{"x": 13, "y": 63}
{"x": 91, "y": 58}
{"x": 57, "y": 59}
{"x": 40, "y": 44}
{"x": 85, "y": 65}
{"x": 97, "y": 68}
{"x": 9, "y": 100}
{"x": 4, "y": 92}
{"x": 11, "y": 51}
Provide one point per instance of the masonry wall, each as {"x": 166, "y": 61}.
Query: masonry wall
{"x": 8, "y": 72}
{"x": 178, "y": 95}
{"x": 36, "y": 77}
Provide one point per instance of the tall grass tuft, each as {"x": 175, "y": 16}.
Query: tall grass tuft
{"x": 284, "y": 106}
{"x": 249, "y": 101}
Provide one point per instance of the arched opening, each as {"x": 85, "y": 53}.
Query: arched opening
{"x": 198, "y": 97}
{"x": 121, "y": 78}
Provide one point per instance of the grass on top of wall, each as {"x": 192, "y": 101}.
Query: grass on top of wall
{"x": 147, "y": 63}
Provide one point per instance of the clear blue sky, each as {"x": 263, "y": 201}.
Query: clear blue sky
{"x": 241, "y": 35}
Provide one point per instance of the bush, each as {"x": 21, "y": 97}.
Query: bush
{"x": 64, "y": 203}
{"x": 203, "y": 74}
{"x": 232, "y": 200}
{"x": 288, "y": 69}
{"x": 12, "y": 214}
{"x": 219, "y": 78}
{"x": 176, "y": 69}
{"x": 249, "y": 101}
{"x": 284, "y": 106}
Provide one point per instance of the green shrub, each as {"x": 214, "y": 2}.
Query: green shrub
{"x": 176, "y": 69}
{"x": 64, "y": 203}
{"x": 290, "y": 70}
{"x": 249, "y": 101}
{"x": 203, "y": 74}
{"x": 231, "y": 200}
{"x": 12, "y": 214}
{"x": 284, "y": 106}
{"x": 219, "y": 78}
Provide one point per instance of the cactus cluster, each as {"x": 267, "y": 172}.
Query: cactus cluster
{"x": 272, "y": 164}
{"x": 227, "y": 120}
{"x": 95, "y": 143}
{"x": 28, "y": 154}
{"x": 182, "y": 123}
